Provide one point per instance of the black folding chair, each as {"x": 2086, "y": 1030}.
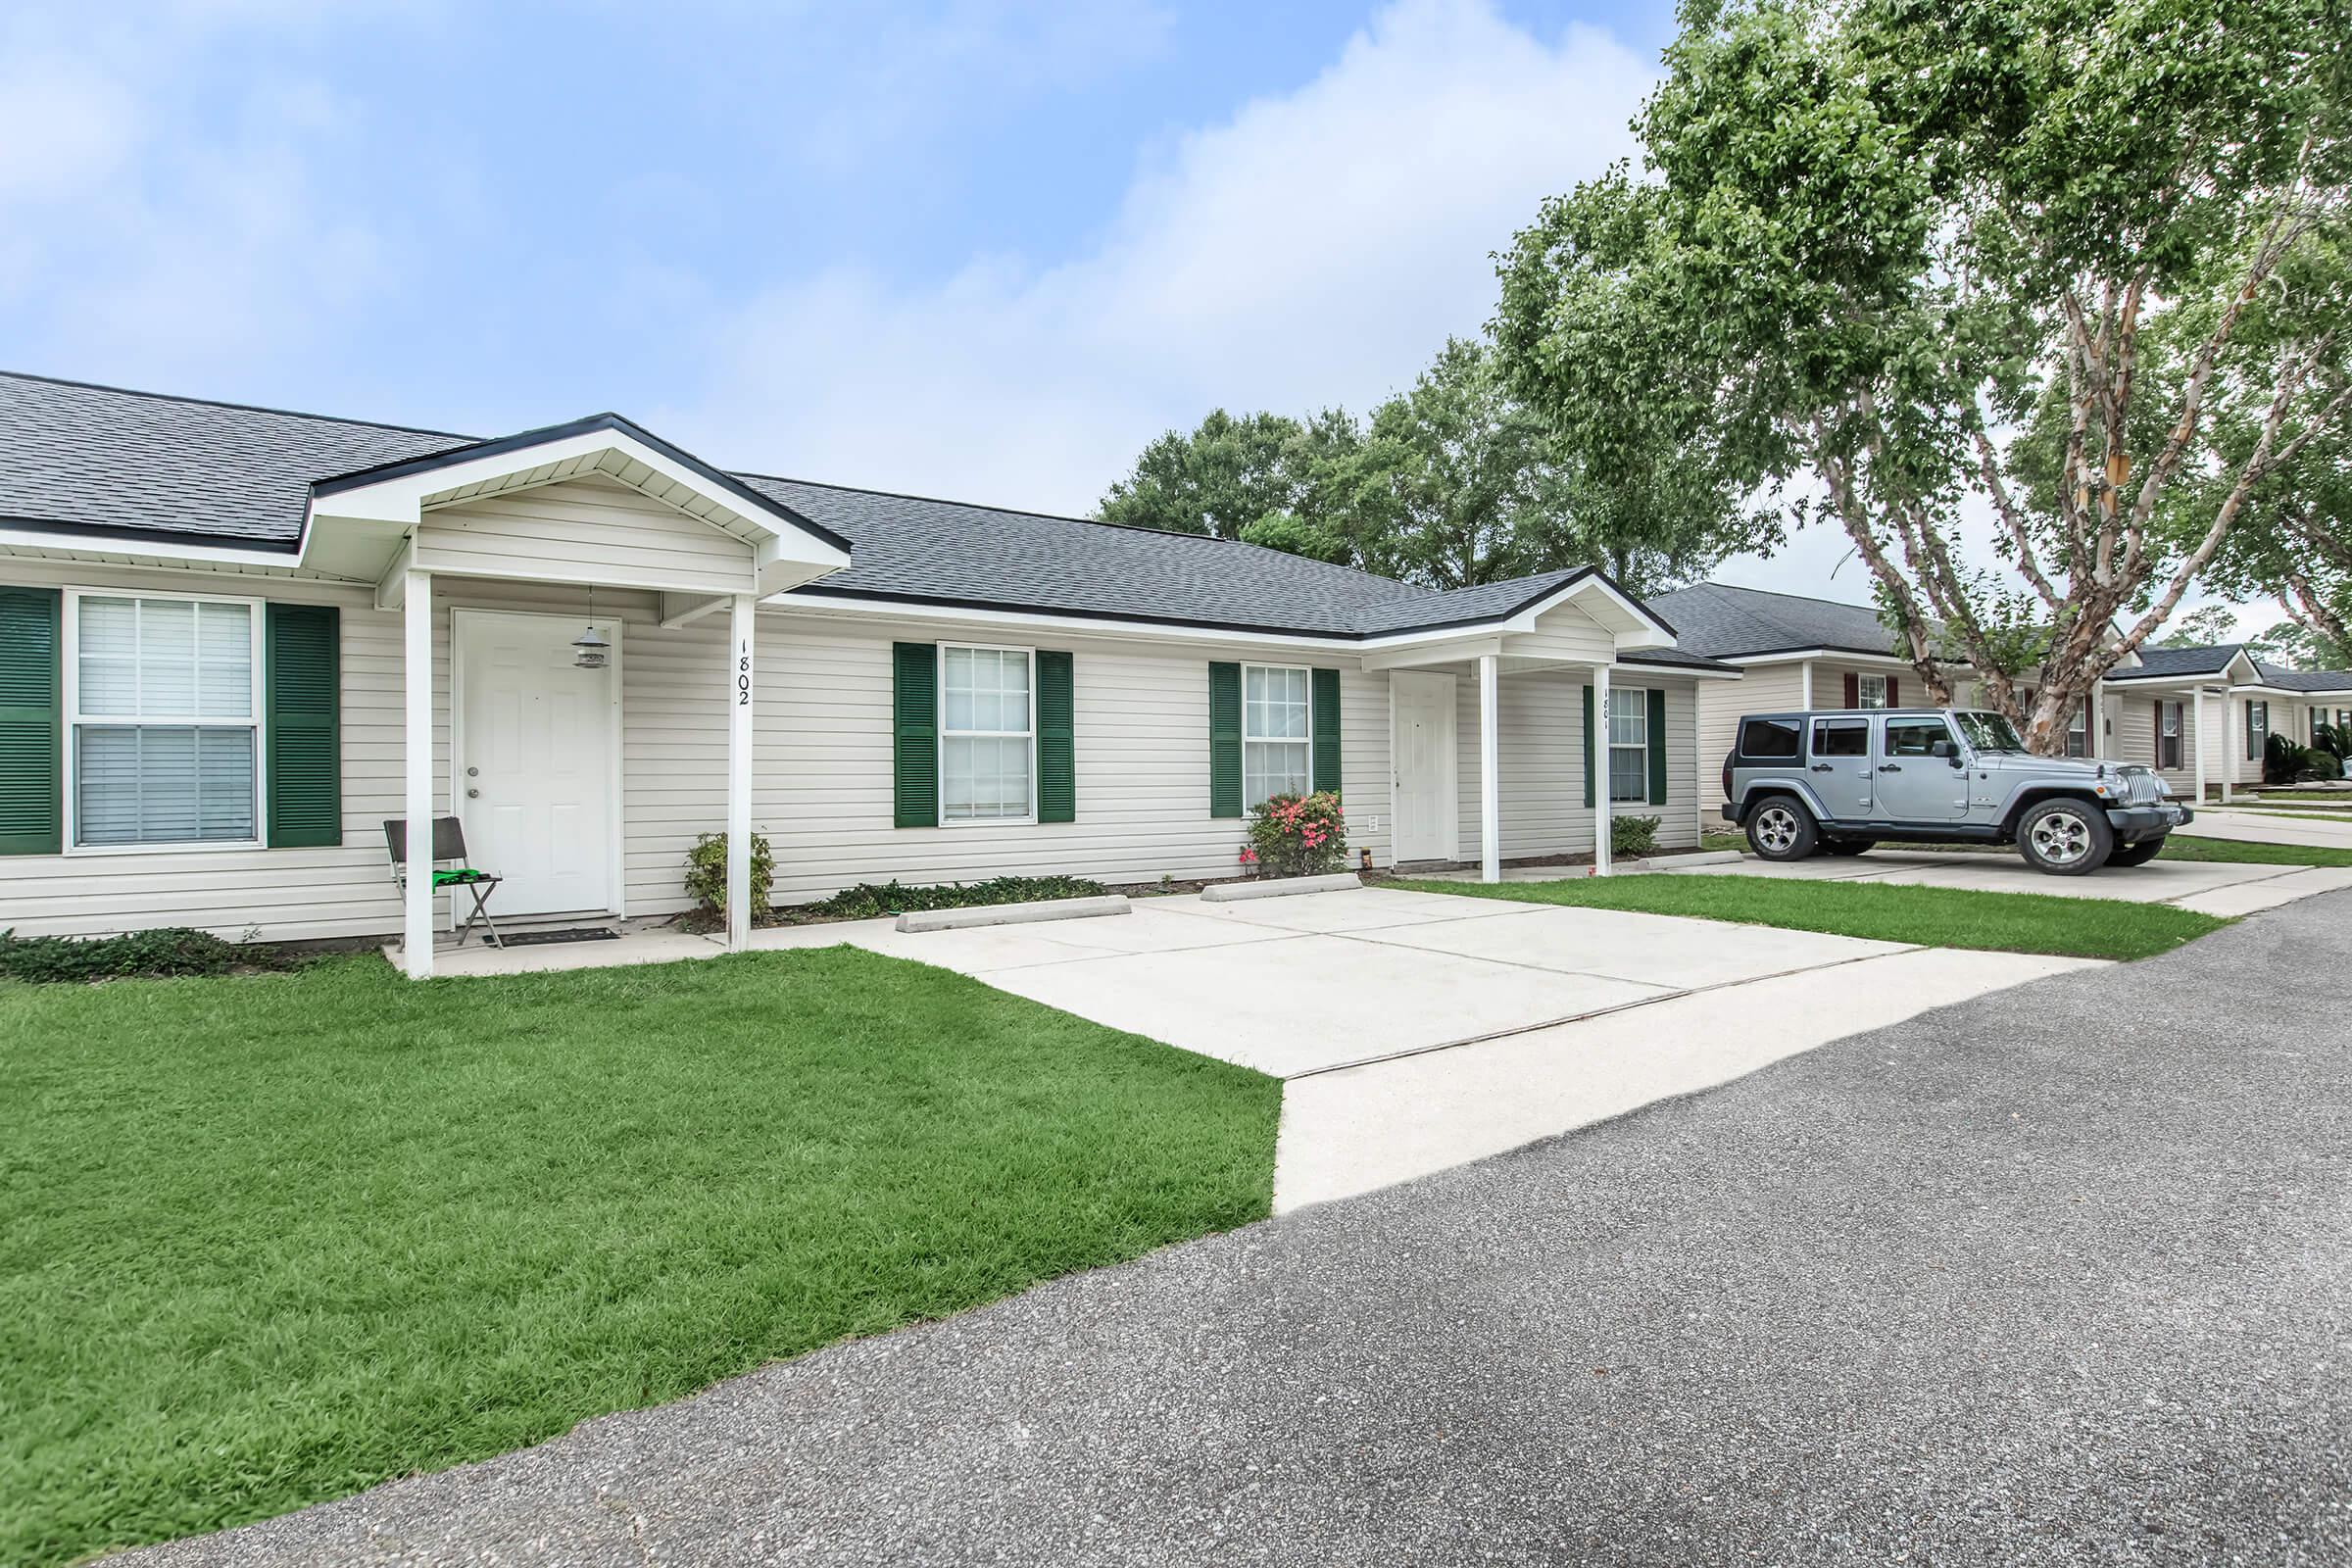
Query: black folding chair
{"x": 449, "y": 846}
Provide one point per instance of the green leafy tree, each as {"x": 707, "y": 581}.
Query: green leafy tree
{"x": 1218, "y": 479}
{"x": 1895, "y": 253}
{"x": 2201, "y": 628}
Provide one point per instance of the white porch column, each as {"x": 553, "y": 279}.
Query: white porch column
{"x": 1804, "y": 674}
{"x": 1600, "y": 766}
{"x": 2196, "y": 711}
{"x": 2225, "y": 729}
{"x": 2096, "y": 724}
{"x": 741, "y": 615}
{"x": 416, "y": 684}
{"x": 1489, "y": 778}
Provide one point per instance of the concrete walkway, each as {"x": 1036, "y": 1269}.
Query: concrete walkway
{"x": 2209, "y": 887}
{"x": 2271, "y": 825}
{"x": 2053, "y": 1277}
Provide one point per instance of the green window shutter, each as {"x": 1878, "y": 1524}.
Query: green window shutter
{"x": 1224, "y": 740}
{"x": 1587, "y": 748}
{"x": 1657, "y": 747}
{"x": 1056, "y": 739}
{"x": 1323, "y": 722}
{"x": 302, "y": 719}
{"x": 32, "y": 818}
{"x": 914, "y": 739}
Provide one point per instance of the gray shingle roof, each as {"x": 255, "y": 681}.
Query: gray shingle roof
{"x": 94, "y": 457}
{"x": 915, "y": 548}
{"x": 1720, "y": 621}
{"x": 2304, "y": 680}
{"x": 2166, "y": 664}
{"x": 88, "y": 458}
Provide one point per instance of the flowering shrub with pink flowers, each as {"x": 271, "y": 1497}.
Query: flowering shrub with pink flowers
{"x": 1298, "y": 835}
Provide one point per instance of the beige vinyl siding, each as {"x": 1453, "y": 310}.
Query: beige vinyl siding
{"x": 591, "y": 528}
{"x": 1540, "y": 750}
{"x": 822, "y": 764}
{"x": 674, "y": 773}
{"x": 1761, "y": 689}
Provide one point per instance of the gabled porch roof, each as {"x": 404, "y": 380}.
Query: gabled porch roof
{"x": 362, "y": 524}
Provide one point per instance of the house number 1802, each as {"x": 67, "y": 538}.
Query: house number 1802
{"x": 743, "y": 678}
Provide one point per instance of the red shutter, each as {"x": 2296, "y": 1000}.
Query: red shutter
{"x": 1894, "y": 692}
{"x": 1853, "y": 690}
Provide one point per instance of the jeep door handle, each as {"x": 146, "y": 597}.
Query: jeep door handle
{"x": 1823, "y": 767}
{"x": 1890, "y": 768}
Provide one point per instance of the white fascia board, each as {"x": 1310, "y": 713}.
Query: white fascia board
{"x": 816, "y": 602}
{"x": 40, "y": 544}
{"x": 1439, "y": 652}
{"x": 1839, "y": 656}
{"x": 1635, "y": 668}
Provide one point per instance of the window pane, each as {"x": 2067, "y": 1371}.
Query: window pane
{"x": 1913, "y": 737}
{"x": 224, "y": 662}
{"x": 1274, "y": 704}
{"x": 1628, "y": 773}
{"x": 1841, "y": 738}
{"x": 1871, "y": 691}
{"x": 164, "y": 659}
{"x": 1629, "y": 717}
{"x": 162, "y": 784}
{"x": 984, "y": 778}
{"x": 1768, "y": 737}
{"x": 1272, "y": 768}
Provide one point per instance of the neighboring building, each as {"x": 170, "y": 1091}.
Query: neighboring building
{"x": 2212, "y": 707}
{"x": 233, "y": 641}
{"x": 2201, "y": 715}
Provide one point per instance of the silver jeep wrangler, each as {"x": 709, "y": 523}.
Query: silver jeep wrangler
{"x": 1840, "y": 782}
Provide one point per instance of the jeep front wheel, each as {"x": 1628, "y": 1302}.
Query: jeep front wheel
{"x": 2065, "y": 838}
{"x": 1779, "y": 829}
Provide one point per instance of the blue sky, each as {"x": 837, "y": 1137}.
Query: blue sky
{"x": 972, "y": 247}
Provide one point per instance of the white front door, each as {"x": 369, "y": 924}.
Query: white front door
{"x": 533, "y": 751}
{"x": 1428, "y": 767}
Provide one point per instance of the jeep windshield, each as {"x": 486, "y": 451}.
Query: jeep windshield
{"x": 1990, "y": 732}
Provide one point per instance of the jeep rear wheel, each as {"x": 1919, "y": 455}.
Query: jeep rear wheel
{"x": 2065, "y": 838}
{"x": 1780, "y": 829}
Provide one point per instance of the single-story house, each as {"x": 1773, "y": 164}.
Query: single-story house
{"x": 2213, "y": 707}
{"x": 234, "y": 641}
{"x": 2202, "y": 715}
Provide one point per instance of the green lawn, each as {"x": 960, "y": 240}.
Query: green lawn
{"x": 1943, "y": 917}
{"x": 2183, "y": 845}
{"x": 274, "y": 1239}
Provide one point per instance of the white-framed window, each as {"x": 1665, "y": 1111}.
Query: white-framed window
{"x": 1869, "y": 691}
{"x": 2077, "y": 732}
{"x": 986, "y": 734}
{"x": 2258, "y": 729}
{"x": 1277, "y": 747}
{"x": 1629, "y": 744}
{"x": 163, "y": 702}
{"x": 2168, "y": 734}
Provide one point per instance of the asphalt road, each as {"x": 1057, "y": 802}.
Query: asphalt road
{"x": 2060, "y": 1275}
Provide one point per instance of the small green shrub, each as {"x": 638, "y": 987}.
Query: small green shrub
{"x": 2283, "y": 762}
{"x": 2335, "y": 741}
{"x": 707, "y": 874}
{"x": 137, "y": 954}
{"x": 1298, "y": 835}
{"x": 1633, "y": 835}
{"x": 868, "y": 900}
{"x": 2324, "y": 766}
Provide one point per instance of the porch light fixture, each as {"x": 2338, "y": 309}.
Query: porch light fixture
{"x": 590, "y": 643}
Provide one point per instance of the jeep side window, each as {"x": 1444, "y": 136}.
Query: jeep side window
{"x": 1772, "y": 739}
{"x": 1841, "y": 737}
{"x": 1915, "y": 736}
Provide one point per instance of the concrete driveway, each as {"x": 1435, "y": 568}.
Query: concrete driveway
{"x": 1418, "y": 1030}
{"x": 2210, "y": 888}
{"x": 2059, "y": 1276}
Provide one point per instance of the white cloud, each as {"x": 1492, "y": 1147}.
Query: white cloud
{"x": 1314, "y": 248}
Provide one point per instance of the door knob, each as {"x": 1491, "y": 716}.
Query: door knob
{"x": 473, "y": 795}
